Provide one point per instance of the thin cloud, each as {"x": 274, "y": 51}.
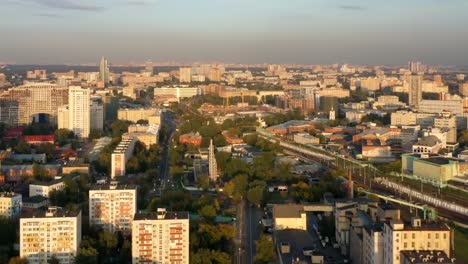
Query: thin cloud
{"x": 67, "y": 4}
{"x": 137, "y": 2}
{"x": 352, "y": 7}
{"x": 48, "y": 15}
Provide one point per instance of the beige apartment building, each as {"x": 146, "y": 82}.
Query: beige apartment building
{"x": 161, "y": 237}
{"x": 185, "y": 74}
{"x": 418, "y": 235}
{"x": 37, "y": 98}
{"x": 112, "y": 206}
{"x": 134, "y": 114}
{"x": 122, "y": 153}
{"x": 55, "y": 232}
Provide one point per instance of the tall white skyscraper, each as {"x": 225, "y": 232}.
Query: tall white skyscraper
{"x": 104, "y": 71}
{"x": 79, "y": 110}
{"x": 213, "y": 167}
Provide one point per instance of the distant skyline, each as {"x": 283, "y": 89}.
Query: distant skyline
{"x": 235, "y": 31}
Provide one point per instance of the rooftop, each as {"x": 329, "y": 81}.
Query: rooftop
{"x": 50, "y": 212}
{"x": 287, "y": 210}
{"x": 298, "y": 240}
{"x": 35, "y": 199}
{"x": 428, "y": 141}
{"x": 113, "y": 186}
{"x": 162, "y": 216}
{"x": 426, "y": 256}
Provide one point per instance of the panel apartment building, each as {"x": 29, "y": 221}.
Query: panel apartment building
{"x": 112, "y": 206}
{"x": 161, "y": 237}
{"x": 55, "y": 232}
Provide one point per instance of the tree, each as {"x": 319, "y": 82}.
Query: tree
{"x": 207, "y": 256}
{"x": 119, "y": 127}
{"x": 208, "y": 212}
{"x": 265, "y": 250}
{"x": 18, "y": 260}
{"x": 108, "y": 241}
{"x": 46, "y": 148}
{"x": 63, "y": 135}
{"x": 95, "y": 134}
{"x": 23, "y": 148}
{"x": 240, "y": 185}
{"x": 87, "y": 255}
{"x": 256, "y": 195}
{"x": 53, "y": 260}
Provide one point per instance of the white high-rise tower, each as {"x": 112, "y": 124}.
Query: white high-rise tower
{"x": 213, "y": 167}
{"x": 79, "y": 112}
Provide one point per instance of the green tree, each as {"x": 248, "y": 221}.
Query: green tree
{"x": 207, "y": 256}
{"x": 18, "y": 260}
{"x": 108, "y": 241}
{"x": 95, "y": 134}
{"x": 265, "y": 250}
{"x": 256, "y": 195}
{"x": 208, "y": 212}
{"x": 23, "y": 148}
{"x": 46, "y": 148}
{"x": 119, "y": 127}
{"x": 63, "y": 135}
{"x": 87, "y": 255}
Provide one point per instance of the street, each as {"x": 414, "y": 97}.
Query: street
{"x": 248, "y": 217}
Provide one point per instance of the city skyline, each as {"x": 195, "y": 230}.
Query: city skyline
{"x": 303, "y": 32}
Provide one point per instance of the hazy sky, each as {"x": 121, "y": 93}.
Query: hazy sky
{"x": 250, "y": 31}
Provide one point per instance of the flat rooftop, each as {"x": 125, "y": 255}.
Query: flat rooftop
{"x": 426, "y": 256}
{"x": 112, "y": 186}
{"x": 287, "y": 210}
{"x": 50, "y": 212}
{"x": 163, "y": 216}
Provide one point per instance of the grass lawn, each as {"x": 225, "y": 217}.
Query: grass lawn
{"x": 461, "y": 240}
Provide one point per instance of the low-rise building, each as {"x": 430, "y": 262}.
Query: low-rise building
{"x": 45, "y": 188}
{"x": 431, "y": 169}
{"x": 191, "y": 139}
{"x": 428, "y": 144}
{"x": 35, "y": 202}
{"x": 304, "y": 138}
{"x": 289, "y": 216}
{"x": 160, "y": 237}
{"x": 10, "y": 205}
{"x": 52, "y": 233}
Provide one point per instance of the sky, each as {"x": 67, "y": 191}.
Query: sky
{"x": 376, "y": 32}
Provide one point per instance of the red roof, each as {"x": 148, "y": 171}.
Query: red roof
{"x": 38, "y": 138}
{"x": 13, "y": 132}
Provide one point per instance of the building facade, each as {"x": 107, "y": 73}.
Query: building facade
{"x": 10, "y": 205}
{"x": 44, "y": 234}
{"x": 160, "y": 237}
{"x": 112, "y": 206}
{"x": 122, "y": 153}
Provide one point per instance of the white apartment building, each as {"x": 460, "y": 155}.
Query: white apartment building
{"x": 112, "y": 206}
{"x": 122, "y": 153}
{"x": 160, "y": 237}
{"x": 10, "y": 205}
{"x": 177, "y": 92}
{"x": 55, "y": 232}
{"x": 185, "y": 74}
{"x": 45, "y": 188}
{"x": 79, "y": 110}
{"x": 419, "y": 235}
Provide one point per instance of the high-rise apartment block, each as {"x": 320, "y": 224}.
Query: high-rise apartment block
{"x": 36, "y": 99}
{"x": 104, "y": 71}
{"x": 96, "y": 115}
{"x": 52, "y": 233}
{"x": 161, "y": 237}
{"x": 121, "y": 155}
{"x": 10, "y": 205}
{"x": 79, "y": 112}
{"x": 416, "y": 66}
{"x": 185, "y": 74}
{"x": 415, "y": 90}
{"x": 112, "y": 206}
{"x": 463, "y": 89}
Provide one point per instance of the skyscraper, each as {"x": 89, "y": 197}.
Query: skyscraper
{"x": 79, "y": 110}
{"x": 415, "y": 90}
{"x": 104, "y": 71}
{"x": 213, "y": 167}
